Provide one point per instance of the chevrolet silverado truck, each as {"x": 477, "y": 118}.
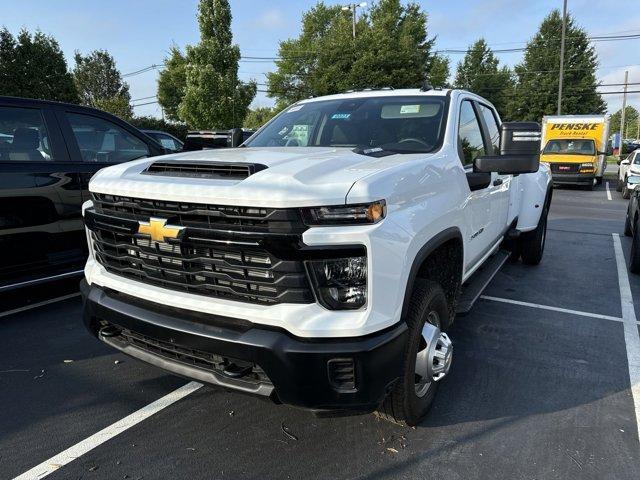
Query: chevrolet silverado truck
{"x": 322, "y": 262}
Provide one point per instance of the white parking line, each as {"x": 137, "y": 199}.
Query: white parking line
{"x": 631, "y": 336}
{"x": 608, "y": 192}
{"x": 553, "y": 309}
{"x": 79, "y": 449}
{"x": 39, "y": 304}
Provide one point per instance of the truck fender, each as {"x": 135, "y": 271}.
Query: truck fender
{"x": 451, "y": 233}
{"x": 535, "y": 191}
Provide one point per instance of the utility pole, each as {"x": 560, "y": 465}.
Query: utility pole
{"x": 624, "y": 108}
{"x": 353, "y": 7}
{"x": 564, "y": 28}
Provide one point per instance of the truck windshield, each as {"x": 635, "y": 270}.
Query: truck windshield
{"x": 412, "y": 124}
{"x": 570, "y": 147}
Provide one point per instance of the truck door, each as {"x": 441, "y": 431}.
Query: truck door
{"x": 40, "y": 198}
{"x": 503, "y": 191}
{"x": 481, "y": 219}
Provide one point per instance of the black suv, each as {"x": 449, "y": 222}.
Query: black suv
{"x": 48, "y": 153}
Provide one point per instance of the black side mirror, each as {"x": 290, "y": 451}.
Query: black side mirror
{"x": 519, "y": 150}
{"x": 235, "y": 138}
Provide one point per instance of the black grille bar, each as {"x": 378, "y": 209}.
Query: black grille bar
{"x": 191, "y": 169}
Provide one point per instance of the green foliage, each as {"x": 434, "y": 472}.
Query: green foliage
{"x": 100, "y": 84}
{"x": 178, "y": 130}
{"x": 479, "y": 73}
{"x": 630, "y": 122}
{"x": 201, "y": 87}
{"x": 33, "y": 66}
{"x": 259, "y": 116}
{"x": 391, "y": 49}
{"x": 536, "y": 89}
{"x": 172, "y": 82}
{"x": 438, "y": 75}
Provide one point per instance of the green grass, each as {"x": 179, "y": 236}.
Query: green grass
{"x": 612, "y": 159}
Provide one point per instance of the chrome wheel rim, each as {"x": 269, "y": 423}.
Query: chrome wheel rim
{"x": 434, "y": 355}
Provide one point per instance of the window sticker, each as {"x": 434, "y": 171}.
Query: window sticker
{"x": 404, "y": 109}
{"x": 295, "y": 108}
{"x": 340, "y": 116}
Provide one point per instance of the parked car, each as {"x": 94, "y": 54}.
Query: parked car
{"x": 168, "y": 141}
{"x": 628, "y": 167}
{"x": 322, "y": 263}
{"x": 48, "y": 153}
{"x": 632, "y": 226}
{"x": 206, "y": 139}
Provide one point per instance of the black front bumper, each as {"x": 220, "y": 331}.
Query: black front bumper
{"x": 573, "y": 178}
{"x": 292, "y": 370}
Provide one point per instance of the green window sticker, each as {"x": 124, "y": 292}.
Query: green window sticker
{"x": 404, "y": 109}
{"x": 340, "y": 116}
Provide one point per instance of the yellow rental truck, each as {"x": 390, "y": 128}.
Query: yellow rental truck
{"x": 575, "y": 148}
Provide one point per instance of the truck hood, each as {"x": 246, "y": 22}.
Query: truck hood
{"x": 555, "y": 158}
{"x": 300, "y": 176}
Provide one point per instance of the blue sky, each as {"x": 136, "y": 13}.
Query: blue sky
{"x": 138, "y": 33}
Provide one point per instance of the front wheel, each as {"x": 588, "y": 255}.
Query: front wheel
{"x": 626, "y": 193}
{"x": 619, "y": 185}
{"x": 427, "y": 358}
{"x": 627, "y": 225}
{"x": 532, "y": 243}
{"x": 598, "y": 180}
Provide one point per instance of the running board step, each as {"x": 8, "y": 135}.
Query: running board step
{"x": 473, "y": 288}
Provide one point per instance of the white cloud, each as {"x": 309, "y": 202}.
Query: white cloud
{"x": 614, "y": 102}
{"x": 271, "y": 19}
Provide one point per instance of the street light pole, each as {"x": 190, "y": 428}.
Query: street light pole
{"x": 564, "y": 28}
{"x": 353, "y": 7}
{"x": 622, "y": 113}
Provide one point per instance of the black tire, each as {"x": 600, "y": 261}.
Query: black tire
{"x": 403, "y": 405}
{"x": 619, "y": 185}
{"x": 598, "y": 180}
{"x": 532, "y": 243}
{"x": 589, "y": 187}
{"x": 627, "y": 225}
{"x": 634, "y": 255}
{"x": 626, "y": 193}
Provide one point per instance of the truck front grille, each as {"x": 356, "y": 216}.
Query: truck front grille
{"x": 205, "y": 261}
{"x": 565, "y": 167}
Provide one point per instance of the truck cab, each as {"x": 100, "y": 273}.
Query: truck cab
{"x": 322, "y": 262}
{"x": 575, "y": 148}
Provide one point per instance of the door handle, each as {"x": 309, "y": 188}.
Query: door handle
{"x": 497, "y": 181}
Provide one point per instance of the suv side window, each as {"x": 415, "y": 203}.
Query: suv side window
{"x": 167, "y": 142}
{"x": 100, "y": 140}
{"x": 492, "y": 127}
{"x": 470, "y": 140}
{"x": 23, "y": 135}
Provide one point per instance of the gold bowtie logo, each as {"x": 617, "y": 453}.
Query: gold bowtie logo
{"x": 158, "y": 229}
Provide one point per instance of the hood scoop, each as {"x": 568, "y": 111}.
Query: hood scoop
{"x": 204, "y": 169}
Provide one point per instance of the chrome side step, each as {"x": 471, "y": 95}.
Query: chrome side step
{"x": 475, "y": 285}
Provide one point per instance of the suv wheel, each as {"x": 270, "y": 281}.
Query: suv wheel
{"x": 619, "y": 185}
{"x": 427, "y": 359}
{"x": 627, "y": 225}
{"x": 634, "y": 256}
{"x": 532, "y": 243}
{"x": 626, "y": 193}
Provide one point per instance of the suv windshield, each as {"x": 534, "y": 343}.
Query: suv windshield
{"x": 398, "y": 124}
{"x": 570, "y": 147}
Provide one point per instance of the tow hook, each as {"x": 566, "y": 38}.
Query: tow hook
{"x": 108, "y": 331}
{"x": 435, "y": 360}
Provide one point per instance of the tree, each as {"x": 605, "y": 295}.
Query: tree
{"x": 631, "y": 119}
{"x": 201, "y": 87}
{"x": 178, "y": 130}
{"x": 33, "y": 66}
{"x": 438, "y": 75}
{"x": 259, "y": 116}
{"x": 391, "y": 49}
{"x": 479, "y": 73}
{"x": 172, "y": 83}
{"x": 536, "y": 89}
{"x": 100, "y": 84}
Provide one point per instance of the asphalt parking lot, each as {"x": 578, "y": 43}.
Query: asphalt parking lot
{"x": 540, "y": 388}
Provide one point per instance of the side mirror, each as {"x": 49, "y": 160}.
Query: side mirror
{"x": 235, "y": 138}
{"x": 623, "y": 162}
{"x": 519, "y": 150}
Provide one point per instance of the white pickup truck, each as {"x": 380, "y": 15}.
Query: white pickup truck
{"x": 322, "y": 261}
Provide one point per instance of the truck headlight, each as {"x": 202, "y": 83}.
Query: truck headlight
{"x": 587, "y": 167}
{"x": 345, "y": 214}
{"x": 340, "y": 283}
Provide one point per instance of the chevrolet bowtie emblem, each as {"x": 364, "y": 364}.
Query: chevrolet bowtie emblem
{"x": 158, "y": 229}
